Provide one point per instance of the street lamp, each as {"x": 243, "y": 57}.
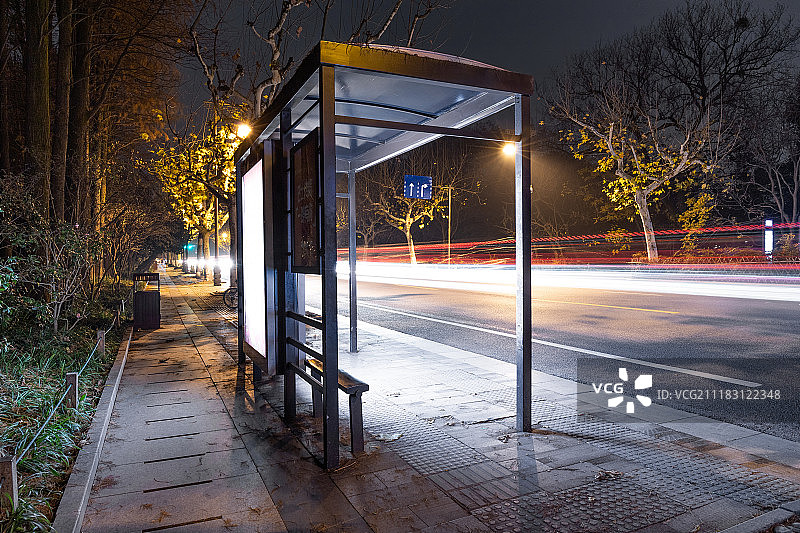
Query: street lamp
{"x": 768, "y": 238}
{"x": 243, "y": 130}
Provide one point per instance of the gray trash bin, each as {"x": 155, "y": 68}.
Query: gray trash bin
{"x": 146, "y": 302}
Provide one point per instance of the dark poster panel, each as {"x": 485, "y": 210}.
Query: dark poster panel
{"x": 306, "y": 205}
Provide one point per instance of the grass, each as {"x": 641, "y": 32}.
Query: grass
{"x": 31, "y": 383}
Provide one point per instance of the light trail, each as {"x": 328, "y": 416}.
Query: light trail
{"x": 502, "y": 280}
{"x": 728, "y": 247}
{"x": 696, "y": 373}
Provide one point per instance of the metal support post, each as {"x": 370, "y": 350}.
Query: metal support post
{"x": 240, "y": 279}
{"x": 71, "y": 386}
{"x": 9, "y": 492}
{"x": 284, "y": 282}
{"x": 330, "y": 327}
{"x": 523, "y": 190}
{"x": 351, "y": 257}
{"x": 449, "y": 218}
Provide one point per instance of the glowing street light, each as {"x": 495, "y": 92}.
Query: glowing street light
{"x": 243, "y": 130}
{"x": 769, "y": 244}
{"x": 509, "y": 149}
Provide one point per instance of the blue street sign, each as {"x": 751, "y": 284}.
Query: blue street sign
{"x": 418, "y": 187}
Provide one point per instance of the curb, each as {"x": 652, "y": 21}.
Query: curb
{"x": 767, "y": 521}
{"x": 71, "y": 509}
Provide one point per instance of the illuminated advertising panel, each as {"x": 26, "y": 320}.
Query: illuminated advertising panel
{"x": 253, "y": 259}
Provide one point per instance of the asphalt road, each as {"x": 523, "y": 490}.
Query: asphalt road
{"x": 740, "y": 342}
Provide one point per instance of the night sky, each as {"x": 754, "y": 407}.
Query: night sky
{"x": 528, "y": 36}
{"x": 536, "y": 36}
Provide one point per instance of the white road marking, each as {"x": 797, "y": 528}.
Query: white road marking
{"x": 651, "y": 364}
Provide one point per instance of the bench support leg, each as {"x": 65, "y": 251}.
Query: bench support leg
{"x": 356, "y": 424}
{"x": 316, "y": 394}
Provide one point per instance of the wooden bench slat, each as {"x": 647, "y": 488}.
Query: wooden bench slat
{"x": 347, "y": 383}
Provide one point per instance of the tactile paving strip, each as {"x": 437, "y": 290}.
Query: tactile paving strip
{"x": 672, "y": 466}
{"x": 439, "y": 456}
{"x": 614, "y": 506}
{"x": 622, "y": 504}
{"x": 685, "y": 493}
{"x": 523, "y": 514}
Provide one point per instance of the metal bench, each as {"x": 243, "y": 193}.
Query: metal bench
{"x": 349, "y": 385}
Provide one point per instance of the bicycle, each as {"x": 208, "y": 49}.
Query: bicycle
{"x": 231, "y": 297}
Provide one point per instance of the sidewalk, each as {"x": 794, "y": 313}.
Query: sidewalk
{"x": 192, "y": 448}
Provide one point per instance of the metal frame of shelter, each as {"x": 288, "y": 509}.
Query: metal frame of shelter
{"x": 368, "y": 104}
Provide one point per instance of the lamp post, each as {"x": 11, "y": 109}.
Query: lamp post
{"x": 449, "y": 219}
{"x": 768, "y": 238}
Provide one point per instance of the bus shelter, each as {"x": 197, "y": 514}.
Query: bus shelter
{"x": 346, "y": 108}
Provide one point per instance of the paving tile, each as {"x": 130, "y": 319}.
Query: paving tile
{"x": 382, "y": 500}
{"x": 438, "y": 509}
{"x": 567, "y": 477}
{"x": 359, "y": 484}
{"x": 136, "y": 477}
{"x": 140, "y": 511}
{"x": 357, "y": 525}
{"x": 399, "y": 520}
{"x": 138, "y": 414}
{"x": 255, "y": 520}
{"x": 714, "y": 431}
{"x": 524, "y": 463}
{"x": 715, "y": 516}
{"x": 571, "y": 455}
{"x": 470, "y": 475}
{"x": 493, "y": 491}
{"x": 137, "y": 451}
{"x": 774, "y": 448}
{"x": 467, "y": 524}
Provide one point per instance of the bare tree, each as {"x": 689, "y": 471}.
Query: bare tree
{"x": 659, "y": 104}
{"x": 444, "y": 162}
{"x": 773, "y": 151}
{"x": 250, "y": 79}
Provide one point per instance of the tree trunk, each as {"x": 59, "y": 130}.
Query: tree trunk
{"x": 98, "y": 175}
{"x": 207, "y": 247}
{"x": 197, "y": 254}
{"x": 647, "y": 224}
{"x": 76, "y": 175}
{"x": 410, "y": 241}
{"x": 61, "y": 107}
{"x": 37, "y": 98}
{"x": 5, "y": 126}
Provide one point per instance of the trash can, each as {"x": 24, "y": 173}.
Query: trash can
{"x": 146, "y": 302}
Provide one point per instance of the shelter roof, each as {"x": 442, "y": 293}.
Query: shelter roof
{"x": 385, "y": 88}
